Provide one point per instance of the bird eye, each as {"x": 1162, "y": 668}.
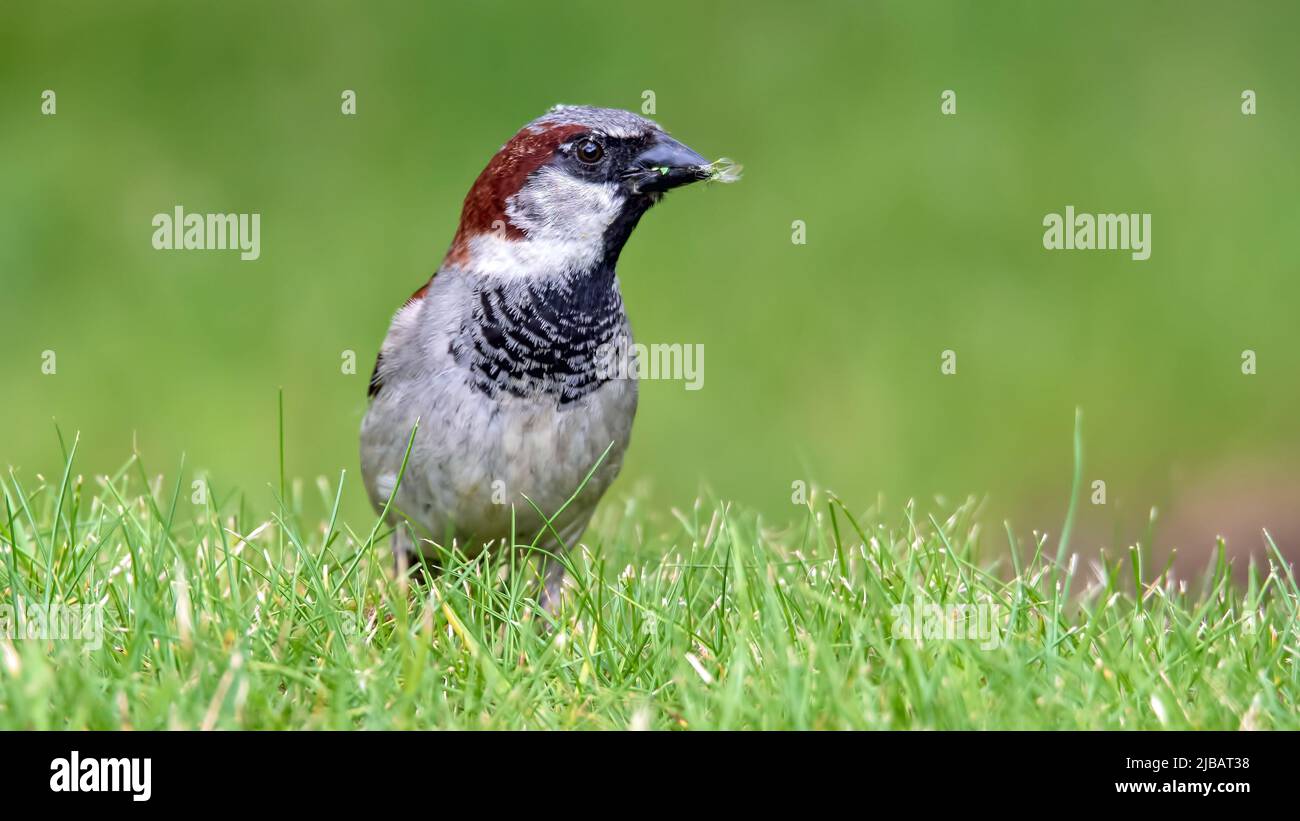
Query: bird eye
{"x": 589, "y": 151}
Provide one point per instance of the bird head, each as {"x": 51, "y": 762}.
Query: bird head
{"x": 563, "y": 195}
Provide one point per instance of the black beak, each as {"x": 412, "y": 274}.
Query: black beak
{"x": 665, "y": 164}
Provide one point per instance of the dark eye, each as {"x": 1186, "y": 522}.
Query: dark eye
{"x": 589, "y": 151}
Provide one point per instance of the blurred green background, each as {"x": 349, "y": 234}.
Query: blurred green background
{"x": 822, "y": 360}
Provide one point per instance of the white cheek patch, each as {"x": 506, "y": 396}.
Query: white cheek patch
{"x": 555, "y": 205}
{"x": 564, "y": 219}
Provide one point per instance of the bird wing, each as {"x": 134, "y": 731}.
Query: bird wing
{"x": 376, "y": 380}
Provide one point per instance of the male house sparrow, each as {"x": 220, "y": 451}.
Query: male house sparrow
{"x": 497, "y": 356}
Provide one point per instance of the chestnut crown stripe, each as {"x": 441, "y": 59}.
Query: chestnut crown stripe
{"x": 504, "y": 176}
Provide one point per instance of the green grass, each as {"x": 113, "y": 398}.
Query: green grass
{"x": 234, "y": 614}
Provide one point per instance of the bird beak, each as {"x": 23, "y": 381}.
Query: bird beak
{"x": 665, "y": 164}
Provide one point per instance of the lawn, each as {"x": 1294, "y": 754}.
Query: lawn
{"x": 226, "y": 609}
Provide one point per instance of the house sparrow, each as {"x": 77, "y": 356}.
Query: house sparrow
{"x": 499, "y": 356}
